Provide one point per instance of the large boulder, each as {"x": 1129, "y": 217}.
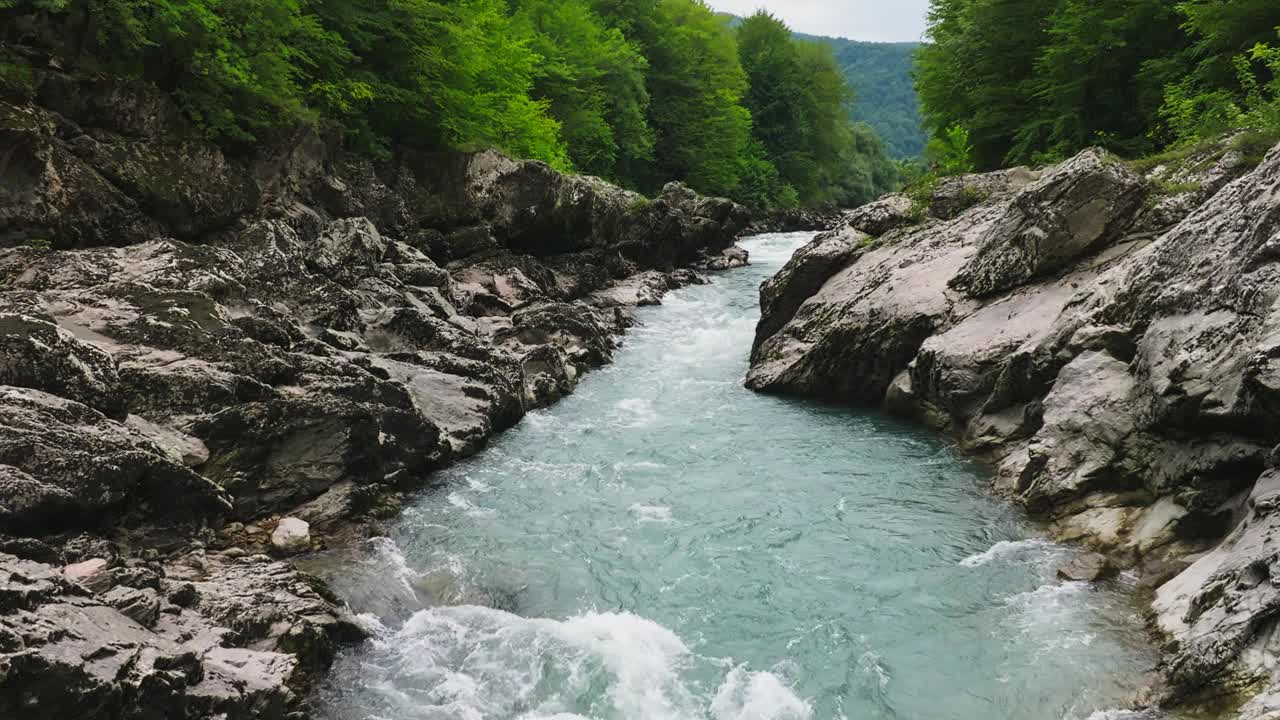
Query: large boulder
{"x": 273, "y": 455}
{"x": 1088, "y": 418}
{"x": 866, "y": 322}
{"x": 1220, "y": 608}
{"x": 807, "y": 270}
{"x": 989, "y": 359}
{"x": 264, "y": 606}
{"x": 1082, "y": 204}
{"x": 51, "y": 197}
{"x": 880, "y": 216}
{"x": 579, "y": 330}
{"x": 291, "y": 536}
{"x": 348, "y": 250}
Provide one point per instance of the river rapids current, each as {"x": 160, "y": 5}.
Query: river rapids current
{"x": 666, "y": 545}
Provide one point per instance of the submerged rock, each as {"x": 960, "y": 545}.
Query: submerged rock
{"x": 728, "y": 259}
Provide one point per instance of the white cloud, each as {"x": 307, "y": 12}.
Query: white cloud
{"x": 875, "y": 20}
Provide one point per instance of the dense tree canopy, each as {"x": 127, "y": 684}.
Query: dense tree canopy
{"x": 594, "y": 82}
{"x": 1034, "y": 80}
{"x": 638, "y": 91}
{"x": 799, "y": 102}
{"x": 447, "y": 73}
{"x": 697, "y": 86}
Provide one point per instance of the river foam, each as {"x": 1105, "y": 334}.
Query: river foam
{"x": 1033, "y": 550}
{"x": 476, "y": 662}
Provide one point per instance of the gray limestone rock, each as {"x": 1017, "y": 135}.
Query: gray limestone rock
{"x": 66, "y": 653}
{"x": 1114, "y": 360}
{"x": 291, "y": 536}
{"x": 1075, "y": 208}
{"x": 807, "y": 270}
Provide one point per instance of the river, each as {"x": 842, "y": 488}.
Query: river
{"x": 665, "y": 544}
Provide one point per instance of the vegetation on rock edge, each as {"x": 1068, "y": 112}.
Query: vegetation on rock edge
{"x": 640, "y": 92}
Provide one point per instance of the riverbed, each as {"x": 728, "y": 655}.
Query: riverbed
{"x": 665, "y": 544}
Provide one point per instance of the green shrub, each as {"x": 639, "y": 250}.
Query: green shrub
{"x": 1253, "y": 145}
{"x": 39, "y": 244}
{"x": 921, "y": 195}
{"x": 951, "y": 153}
{"x": 971, "y": 196}
{"x": 17, "y": 81}
{"x": 911, "y": 171}
{"x": 639, "y": 205}
{"x": 1193, "y": 114}
{"x": 1211, "y": 149}
{"x": 1177, "y": 188}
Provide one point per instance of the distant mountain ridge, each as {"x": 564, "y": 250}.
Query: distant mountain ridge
{"x": 880, "y": 73}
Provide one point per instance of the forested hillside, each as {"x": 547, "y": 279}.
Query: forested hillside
{"x": 880, "y": 74}
{"x": 1036, "y": 80}
{"x": 640, "y": 92}
{"x": 800, "y": 105}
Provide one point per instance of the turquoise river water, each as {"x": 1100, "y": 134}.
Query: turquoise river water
{"x": 666, "y": 545}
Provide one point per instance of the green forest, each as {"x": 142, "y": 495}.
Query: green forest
{"x": 639, "y": 92}
{"x": 1033, "y": 81}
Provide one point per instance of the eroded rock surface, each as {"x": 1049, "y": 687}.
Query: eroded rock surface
{"x": 207, "y": 359}
{"x": 143, "y": 641}
{"x": 1083, "y": 203}
{"x": 1107, "y": 340}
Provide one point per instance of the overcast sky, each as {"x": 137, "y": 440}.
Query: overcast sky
{"x": 875, "y": 20}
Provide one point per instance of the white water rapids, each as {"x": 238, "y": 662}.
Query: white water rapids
{"x": 666, "y": 545}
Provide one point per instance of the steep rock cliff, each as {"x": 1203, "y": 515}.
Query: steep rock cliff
{"x": 1108, "y": 345}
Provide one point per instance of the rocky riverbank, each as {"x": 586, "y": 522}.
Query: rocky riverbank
{"x": 1107, "y": 339}
{"x": 210, "y": 362}
{"x": 795, "y": 220}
